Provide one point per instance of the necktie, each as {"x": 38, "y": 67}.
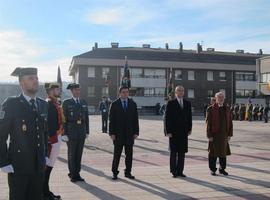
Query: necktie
{"x": 33, "y": 105}
{"x": 125, "y": 105}
{"x": 181, "y": 103}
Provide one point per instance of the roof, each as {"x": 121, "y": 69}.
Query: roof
{"x": 158, "y": 54}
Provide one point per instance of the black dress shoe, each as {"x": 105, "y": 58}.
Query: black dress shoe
{"x": 48, "y": 196}
{"x": 213, "y": 173}
{"x": 174, "y": 175}
{"x": 79, "y": 178}
{"x": 222, "y": 171}
{"x": 73, "y": 179}
{"x": 55, "y": 196}
{"x": 114, "y": 177}
{"x": 129, "y": 176}
{"x": 182, "y": 175}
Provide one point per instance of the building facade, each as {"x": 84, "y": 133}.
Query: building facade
{"x": 202, "y": 73}
{"x": 263, "y": 74}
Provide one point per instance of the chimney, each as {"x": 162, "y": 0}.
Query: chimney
{"x": 199, "y": 48}
{"x": 114, "y": 44}
{"x": 167, "y": 46}
{"x": 210, "y": 49}
{"x": 146, "y": 45}
{"x": 181, "y": 47}
{"x": 260, "y": 52}
{"x": 240, "y": 51}
{"x": 93, "y": 48}
{"x": 96, "y": 45}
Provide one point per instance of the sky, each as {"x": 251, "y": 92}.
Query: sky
{"x": 47, "y": 34}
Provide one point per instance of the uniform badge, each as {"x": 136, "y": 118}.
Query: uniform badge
{"x": 79, "y": 121}
{"x": 24, "y": 128}
{"x": 71, "y": 113}
{"x": 2, "y": 114}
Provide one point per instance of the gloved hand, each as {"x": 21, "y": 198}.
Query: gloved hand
{"x": 64, "y": 138}
{"x": 47, "y": 161}
{"x": 7, "y": 169}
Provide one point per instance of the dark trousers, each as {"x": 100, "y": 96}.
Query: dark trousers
{"x": 104, "y": 123}
{"x": 213, "y": 161}
{"x": 75, "y": 151}
{"x": 25, "y": 187}
{"x": 177, "y": 161}
{"x": 46, "y": 188}
{"x": 117, "y": 155}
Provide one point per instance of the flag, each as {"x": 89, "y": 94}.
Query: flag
{"x": 169, "y": 87}
{"x": 126, "y": 75}
{"x": 59, "y": 79}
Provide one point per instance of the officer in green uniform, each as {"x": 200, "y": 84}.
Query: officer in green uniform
{"x": 76, "y": 130}
{"x": 23, "y": 120}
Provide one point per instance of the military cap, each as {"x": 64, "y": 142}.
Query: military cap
{"x": 73, "y": 85}
{"x": 23, "y": 71}
{"x": 51, "y": 85}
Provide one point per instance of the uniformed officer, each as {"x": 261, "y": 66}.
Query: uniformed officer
{"x": 55, "y": 130}
{"x": 23, "y": 120}
{"x": 76, "y": 129}
{"x": 104, "y": 110}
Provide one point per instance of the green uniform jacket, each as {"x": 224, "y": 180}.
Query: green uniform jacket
{"x": 27, "y": 133}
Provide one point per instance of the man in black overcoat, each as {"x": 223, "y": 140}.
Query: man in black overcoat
{"x": 178, "y": 121}
{"x": 123, "y": 129}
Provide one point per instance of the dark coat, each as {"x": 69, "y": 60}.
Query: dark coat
{"x": 178, "y": 123}
{"x": 123, "y": 124}
{"x": 76, "y": 124}
{"x": 28, "y": 135}
{"x": 53, "y": 124}
{"x": 219, "y": 147}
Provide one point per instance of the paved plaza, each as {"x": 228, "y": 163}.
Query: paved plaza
{"x": 249, "y": 166}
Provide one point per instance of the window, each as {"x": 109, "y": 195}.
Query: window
{"x": 154, "y": 91}
{"x": 91, "y": 91}
{"x": 136, "y": 92}
{"x": 223, "y": 91}
{"x": 191, "y": 75}
{"x": 245, "y": 76}
{"x": 265, "y": 77}
{"x": 245, "y": 93}
{"x": 149, "y": 91}
{"x": 91, "y": 72}
{"x": 105, "y": 91}
{"x": 136, "y": 72}
{"x": 210, "y": 76}
{"x": 191, "y": 93}
{"x": 222, "y": 76}
{"x": 105, "y": 72}
{"x": 159, "y": 92}
{"x": 178, "y": 75}
{"x": 154, "y": 73}
{"x": 210, "y": 93}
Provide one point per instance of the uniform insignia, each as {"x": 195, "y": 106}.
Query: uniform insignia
{"x": 24, "y": 128}
{"x": 2, "y": 114}
{"x": 79, "y": 121}
{"x": 71, "y": 113}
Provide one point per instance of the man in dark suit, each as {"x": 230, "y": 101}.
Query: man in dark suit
{"x": 123, "y": 129}
{"x": 76, "y": 130}
{"x": 23, "y": 119}
{"x": 178, "y": 121}
{"x": 104, "y": 110}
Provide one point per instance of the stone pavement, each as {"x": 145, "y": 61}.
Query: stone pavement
{"x": 249, "y": 167}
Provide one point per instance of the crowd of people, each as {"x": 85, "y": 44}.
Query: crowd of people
{"x": 245, "y": 112}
